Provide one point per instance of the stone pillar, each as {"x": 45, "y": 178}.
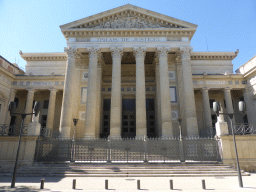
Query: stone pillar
{"x": 141, "y": 119}
{"x": 90, "y": 115}
{"x": 98, "y": 101}
{"x": 166, "y": 115}
{"x": 51, "y": 110}
{"x": 221, "y": 126}
{"x": 189, "y": 97}
{"x": 29, "y": 105}
{"x": 66, "y": 110}
{"x": 116, "y": 97}
{"x": 11, "y": 99}
{"x": 229, "y": 104}
{"x": 207, "y": 109}
{"x": 180, "y": 93}
{"x": 158, "y": 99}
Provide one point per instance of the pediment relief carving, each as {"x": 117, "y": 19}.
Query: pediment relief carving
{"x": 128, "y": 22}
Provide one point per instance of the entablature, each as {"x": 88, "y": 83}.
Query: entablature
{"x": 44, "y": 56}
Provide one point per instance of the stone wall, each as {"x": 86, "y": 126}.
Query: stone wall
{"x": 8, "y": 151}
{"x": 246, "y": 148}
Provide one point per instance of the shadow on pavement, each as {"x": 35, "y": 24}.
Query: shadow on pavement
{"x": 31, "y": 179}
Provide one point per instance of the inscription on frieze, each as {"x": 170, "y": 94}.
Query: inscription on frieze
{"x": 128, "y": 39}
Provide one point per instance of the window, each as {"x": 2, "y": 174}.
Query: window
{"x": 211, "y": 102}
{"x": 46, "y": 104}
{"x": 173, "y": 95}
{"x": 44, "y": 120}
{"x": 16, "y": 100}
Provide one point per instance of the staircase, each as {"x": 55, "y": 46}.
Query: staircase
{"x": 125, "y": 170}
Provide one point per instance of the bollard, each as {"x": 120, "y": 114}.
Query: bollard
{"x": 106, "y": 184}
{"x": 171, "y": 184}
{"x": 203, "y": 184}
{"x": 42, "y": 184}
{"x": 138, "y": 184}
{"x": 74, "y": 183}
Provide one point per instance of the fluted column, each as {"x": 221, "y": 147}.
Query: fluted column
{"x": 51, "y": 109}
{"x": 29, "y": 105}
{"x": 189, "y": 97}
{"x": 166, "y": 115}
{"x": 11, "y": 99}
{"x": 66, "y": 110}
{"x": 98, "y": 102}
{"x": 207, "y": 109}
{"x": 158, "y": 99}
{"x": 180, "y": 92}
{"x": 141, "y": 119}
{"x": 90, "y": 116}
{"x": 116, "y": 97}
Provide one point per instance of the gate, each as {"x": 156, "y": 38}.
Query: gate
{"x": 153, "y": 150}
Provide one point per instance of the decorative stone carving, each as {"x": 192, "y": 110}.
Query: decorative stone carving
{"x": 71, "y": 52}
{"x": 93, "y": 52}
{"x": 178, "y": 58}
{"x": 140, "y": 52}
{"x": 116, "y": 52}
{"x": 162, "y": 52}
{"x": 185, "y": 52}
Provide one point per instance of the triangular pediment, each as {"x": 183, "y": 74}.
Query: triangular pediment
{"x": 128, "y": 17}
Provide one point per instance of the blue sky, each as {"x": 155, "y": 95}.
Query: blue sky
{"x": 33, "y": 25}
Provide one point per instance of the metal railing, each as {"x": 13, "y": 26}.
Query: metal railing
{"x": 12, "y": 130}
{"x": 154, "y": 150}
{"x": 244, "y": 129}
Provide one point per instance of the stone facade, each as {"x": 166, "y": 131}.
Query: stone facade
{"x": 128, "y": 72}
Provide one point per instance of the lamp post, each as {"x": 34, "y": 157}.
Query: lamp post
{"x": 181, "y": 142}
{"x": 12, "y": 107}
{"x": 73, "y": 140}
{"x": 241, "y": 106}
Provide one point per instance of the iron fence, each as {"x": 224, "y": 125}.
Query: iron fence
{"x": 244, "y": 129}
{"x": 12, "y": 130}
{"x": 153, "y": 150}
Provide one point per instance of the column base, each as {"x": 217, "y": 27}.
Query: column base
{"x": 64, "y": 132}
{"x": 141, "y": 137}
{"x": 114, "y": 137}
{"x": 89, "y": 137}
{"x": 221, "y": 128}
{"x": 192, "y": 127}
{"x": 165, "y": 137}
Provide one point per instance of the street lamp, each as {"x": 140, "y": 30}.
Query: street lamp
{"x": 181, "y": 142}
{"x": 12, "y": 108}
{"x": 241, "y": 106}
{"x": 73, "y": 140}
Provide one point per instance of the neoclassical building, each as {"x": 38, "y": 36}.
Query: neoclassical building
{"x": 128, "y": 72}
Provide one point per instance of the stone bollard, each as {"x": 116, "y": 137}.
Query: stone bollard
{"x": 138, "y": 184}
{"x": 106, "y": 184}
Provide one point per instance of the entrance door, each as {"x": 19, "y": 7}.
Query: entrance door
{"x": 128, "y": 119}
{"x": 106, "y": 118}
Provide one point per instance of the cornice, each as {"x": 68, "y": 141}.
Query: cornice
{"x": 5, "y": 71}
{"x": 39, "y": 77}
{"x": 213, "y": 55}
{"x": 44, "y": 56}
{"x": 145, "y": 32}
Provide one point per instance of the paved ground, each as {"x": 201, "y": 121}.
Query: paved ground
{"x": 129, "y": 184}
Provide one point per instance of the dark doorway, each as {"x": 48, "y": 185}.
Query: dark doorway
{"x": 150, "y": 111}
{"x": 129, "y": 119}
{"x": 106, "y": 118}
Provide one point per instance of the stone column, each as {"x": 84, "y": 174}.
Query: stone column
{"x": 166, "y": 115}
{"x": 207, "y": 109}
{"x": 90, "y": 115}
{"x": 189, "y": 97}
{"x": 141, "y": 119}
{"x": 29, "y": 105}
{"x": 116, "y": 97}
{"x": 51, "y": 110}
{"x": 66, "y": 110}
{"x": 229, "y": 104}
{"x": 180, "y": 93}
{"x": 158, "y": 99}
{"x": 98, "y": 101}
{"x": 11, "y": 99}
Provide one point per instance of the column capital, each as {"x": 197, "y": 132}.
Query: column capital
{"x": 139, "y": 52}
{"x": 53, "y": 90}
{"x": 185, "y": 52}
{"x": 178, "y": 58}
{"x": 31, "y": 90}
{"x": 162, "y": 52}
{"x": 71, "y": 52}
{"x": 93, "y": 52}
{"x": 227, "y": 89}
{"x": 13, "y": 90}
{"x": 116, "y": 52}
{"x": 205, "y": 89}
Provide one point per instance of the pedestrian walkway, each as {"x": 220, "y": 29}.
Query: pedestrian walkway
{"x": 129, "y": 184}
